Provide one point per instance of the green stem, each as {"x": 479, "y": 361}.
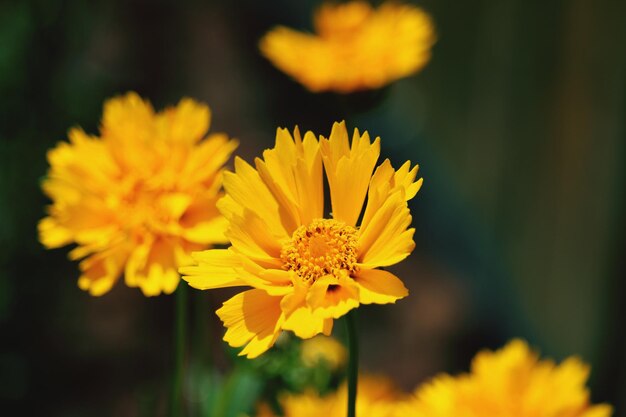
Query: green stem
{"x": 353, "y": 362}
{"x": 179, "y": 350}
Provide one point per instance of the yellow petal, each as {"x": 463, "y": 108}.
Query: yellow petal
{"x": 158, "y": 279}
{"x": 309, "y": 176}
{"x": 100, "y": 272}
{"x": 385, "y": 182}
{"x": 276, "y": 282}
{"x": 304, "y": 323}
{"x": 251, "y": 317}
{"x": 404, "y": 177}
{"x": 385, "y": 240}
{"x": 379, "y": 287}
{"x": 601, "y": 410}
{"x": 299, "y": 317}
{"x": 174, "y": 204}
{"x": 128, "y": 116}
{"x": 276, "y": 170}
{"x": 205, "y": 163}
{"x": 96, "y": 286}
{"x": 137, "y": 262}
{"x": 52, "y": 234}
{"x": 379, "y": 190}
{"x": 328, "y": 327}
{"x": 215, "y": 268}
{"x": 248, "y": 234}
{"x": 208, "y": 232}
{"x": 247, "y": 190}
{"x": 331, "y": 297}
{"x": 287, "y": 49}
{"x": 292, "y": 170}
{"x": 218, "y": 268}
{"x": 153, "y": 267}
{"x": 348, "y": 170}
{"x": 188, "y": 122}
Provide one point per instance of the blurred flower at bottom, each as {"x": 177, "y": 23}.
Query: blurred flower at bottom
{"x": 377, "y": 397}
{"x": 512, "y": 381}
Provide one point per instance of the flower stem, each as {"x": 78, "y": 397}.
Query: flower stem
{"x": 353, "y": 362}
{"x": 179, "y": 350}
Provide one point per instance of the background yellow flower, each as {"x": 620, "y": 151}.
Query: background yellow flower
{"x": 510, "y": 382}
{"x": 377, "y": 397}
{"x": 322, "y": 348}
{"x": 307, "y": 269}
{"x": 356, "y": 47}
{"x": 139, "y": 197}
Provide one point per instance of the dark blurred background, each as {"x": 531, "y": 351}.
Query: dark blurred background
{"x": 518, "y": 124}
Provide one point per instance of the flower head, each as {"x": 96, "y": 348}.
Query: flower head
{"x": 307, "y": 269}
{"x": 509, "y": 382}
{"x": 377, "y": 397}
{"x": 356, "y": 47}
{"x": 140, "y": 197}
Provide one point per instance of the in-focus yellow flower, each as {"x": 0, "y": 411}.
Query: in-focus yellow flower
{"x": 307, "y": 269}
{"x": 376, "y": 397}
{"x": 323, "y": 348}
{"x": 356, "y": 47}
{"x": 140, "y": 197}
{"x": 511, "y": 382}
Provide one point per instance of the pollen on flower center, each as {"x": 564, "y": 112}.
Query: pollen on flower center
{"x": 324, "y": 247}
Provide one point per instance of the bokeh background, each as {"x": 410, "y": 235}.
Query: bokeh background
{"x": 518, "y": 124}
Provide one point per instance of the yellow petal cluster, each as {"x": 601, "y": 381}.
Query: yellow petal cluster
{"x": 138, "y": 198}
{"x": 376, "y": 397}
{"x": 511, "y": 382}
{"x": 307, "y": 268}
{"x": 355, "y": 47}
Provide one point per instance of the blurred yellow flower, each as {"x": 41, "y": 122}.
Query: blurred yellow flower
{"x": 323, "y": 348}
{"x": 511, "y": 382}
{"x": 139, "y": 198}
{"x": 376, "y": 397}
{"x": 307, "y": 270}
{"x": 356, "y": 47}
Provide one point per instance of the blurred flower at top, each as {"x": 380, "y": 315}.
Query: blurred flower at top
{"x": 376, "y": 397}
{"x": 356, "y": 47}
{"x": 307, "y": 269}
{"x": 323, "y": 348}
{"x": 510, "y": 382}
{"x": 137, "y": 199}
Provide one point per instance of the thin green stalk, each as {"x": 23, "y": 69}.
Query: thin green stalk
{"x": 179, "y": 350}
{"x": 353, "y": 362}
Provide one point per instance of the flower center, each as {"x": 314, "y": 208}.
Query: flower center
{"x": 324, "y": 247}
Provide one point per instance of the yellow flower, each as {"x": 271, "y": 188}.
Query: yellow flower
{"x": 511, "y": 382}
{"x": 307, "y": 270}
{"x": 139, "y": 198}
{"x": 356, "y": 47}
{"x": 376, "y": 397}
{"x": 323, "y": 348}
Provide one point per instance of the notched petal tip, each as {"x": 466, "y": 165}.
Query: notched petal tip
{"x": 379, "y": 287}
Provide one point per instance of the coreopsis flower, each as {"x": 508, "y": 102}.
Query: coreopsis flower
{"x": 307, "y": 269}
{"x": 355, "y": 47}
{"x": 513, "y": 382}
{"x": 137, "y": 199}
{"x": 376, "y": 397}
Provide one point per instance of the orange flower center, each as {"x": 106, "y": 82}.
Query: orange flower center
{"x": 324, "y": 247}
